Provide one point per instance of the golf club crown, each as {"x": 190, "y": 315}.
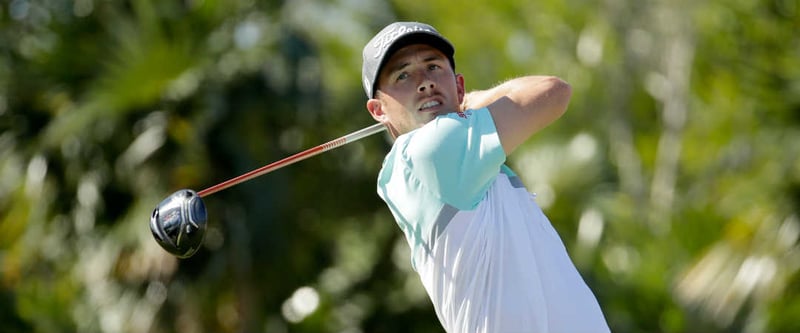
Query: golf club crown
{"x": 179, "y": 223}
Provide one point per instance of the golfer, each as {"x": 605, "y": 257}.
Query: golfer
{"x": 488, "y": 257}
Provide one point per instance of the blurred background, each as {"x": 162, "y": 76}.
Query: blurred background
{"x": 673, "y": 179}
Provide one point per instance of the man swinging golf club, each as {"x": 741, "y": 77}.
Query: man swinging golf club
{"x": 488, "y": 257}
{"x": 486, "y": 254}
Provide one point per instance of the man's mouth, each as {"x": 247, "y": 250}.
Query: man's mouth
{"x": 429, "y": 105}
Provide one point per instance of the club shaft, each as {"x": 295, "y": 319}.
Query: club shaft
{"x": 352, "y": 137}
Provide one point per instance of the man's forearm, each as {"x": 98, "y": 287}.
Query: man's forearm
{"x": 481, "y": 98}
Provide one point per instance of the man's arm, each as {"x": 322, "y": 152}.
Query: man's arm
{"x": 521, "y": 107}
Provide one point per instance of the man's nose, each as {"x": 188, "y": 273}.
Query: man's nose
{"x": 426, "y": 84}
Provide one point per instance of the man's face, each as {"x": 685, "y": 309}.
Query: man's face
{"x": 415, "y": 85}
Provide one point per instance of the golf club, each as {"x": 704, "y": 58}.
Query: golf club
{"x": 178, "y": 223}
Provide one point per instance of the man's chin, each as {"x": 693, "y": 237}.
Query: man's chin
{"x": 440, "y": 113}
{"x": 430, "y": 116}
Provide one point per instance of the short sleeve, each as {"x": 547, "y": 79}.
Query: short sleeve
{"x": 457, "y": 155}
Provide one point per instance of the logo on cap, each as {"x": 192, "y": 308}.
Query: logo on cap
{"x": 383, "y": 42}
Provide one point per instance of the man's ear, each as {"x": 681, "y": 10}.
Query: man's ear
{"x": 375, "y": 108}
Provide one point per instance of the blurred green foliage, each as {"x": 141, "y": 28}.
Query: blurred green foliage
{"x": 673, "y": 179}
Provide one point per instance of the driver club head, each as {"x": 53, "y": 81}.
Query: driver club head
{"x": 179, "y": 223}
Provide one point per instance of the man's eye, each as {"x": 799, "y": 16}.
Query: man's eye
{"x": 402, "y": 76}
{"x": 433, "y": 66}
